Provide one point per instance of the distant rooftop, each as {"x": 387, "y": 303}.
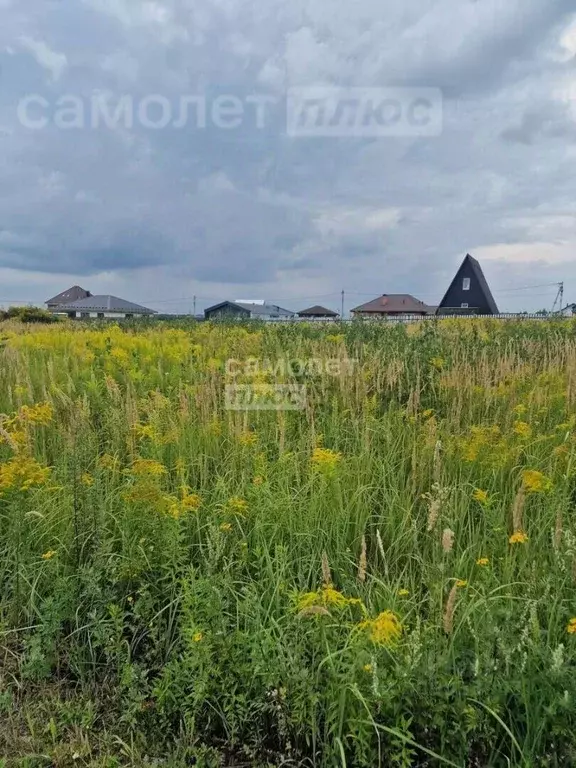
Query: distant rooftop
{"x": 106, "y": 303}
{"x": 72, "y": 294}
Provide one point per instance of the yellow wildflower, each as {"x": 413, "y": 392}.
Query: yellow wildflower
{"x": 149, "y": 467}
{"x": 248, "y": 438}
{"x": 428, "y": 413}
{"x": 21, "y": 473}
{"x": 367, "y": 667}
{"x": 36, "y": 414}
{"x": 403, "y": 592}
{"x": 535, "y": 481}
{"x": 438, "y": 363}
{"x": 258, "y": 480}
{"x": 106, "y": 461}
{"x": 49, "y": 555}
{"x": 482, "y": 561}
{"x": 461, "y": 583}
{"x": 385, "y": 629}
{"x": 87, "y": 479}
{"x": 480, "y": 496}
{"x": 325, "y": 596}
{"x": 325, "y": 459}
{"x": 518, "y": 537}
{"x": 197, "y": 637}
{"x": 522, "y": 429}
{"x": 571, "y": 628}
{"x": 237, "y": 505}
{"x": 520, "y": 409}
{"x": 191, "y": 502}
{"x": 225, "y": 527}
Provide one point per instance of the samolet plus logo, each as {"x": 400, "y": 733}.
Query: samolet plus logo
{"x": 364, "y": 112}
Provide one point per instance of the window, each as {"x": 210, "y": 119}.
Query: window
{"x": 466, "y": 284}
{"x": 464, "y": 306}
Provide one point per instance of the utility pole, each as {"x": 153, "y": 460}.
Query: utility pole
{"x": 559, "y": 297}
{"x": 342, "y": 311}
{"x": 194, "y": 306}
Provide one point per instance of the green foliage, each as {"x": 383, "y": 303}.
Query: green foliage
{"x": 193, "y": 585}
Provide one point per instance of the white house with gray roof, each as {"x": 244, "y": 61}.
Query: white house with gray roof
{"x": 103, "y": 307}
{"x": 255, "y": 310}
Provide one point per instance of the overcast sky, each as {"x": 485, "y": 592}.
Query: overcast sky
{"x": 157, "y": 216}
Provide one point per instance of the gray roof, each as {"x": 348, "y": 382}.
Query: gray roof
{"x": 72, "y": 294}
{"x": 317, "y": 311}
{"x": 402, "y": 303}
{"x": 106, "y": 304}
{"x": 264, "y": 309}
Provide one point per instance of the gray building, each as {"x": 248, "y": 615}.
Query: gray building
{"x": 247, "y": 310}
{"x": 104, "y": 307}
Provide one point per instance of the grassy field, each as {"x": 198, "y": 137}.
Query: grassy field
{"x": 385, "y": 577}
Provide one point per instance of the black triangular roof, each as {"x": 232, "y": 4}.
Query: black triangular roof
{"x": 482, "y": 282}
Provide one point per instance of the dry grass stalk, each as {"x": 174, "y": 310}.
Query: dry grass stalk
{"x": 449, "y": 610}
{"x": 437, "y": 466}
{"x": 362, "y": 562}
{"x": 558, "y": 530}
{"x": 518, "y": 509}
{"x": 313, "y": 610}
{"x": 326, "y": 575}
{"x": 447, "y": 540}
{"x": 433, "y": 513}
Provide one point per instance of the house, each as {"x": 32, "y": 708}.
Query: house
{"x": 246, "y": 310}
{"x": 569, "y": 310}
{"x": 393, "y": 305}
{"x": 315, "y": 312}
{"x": 104, "y": 307}
{"x": 469, "y": 293}
{"x": 72, "y": 294}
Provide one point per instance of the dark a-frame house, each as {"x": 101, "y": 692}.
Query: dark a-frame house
{"x": 469, "y": 293}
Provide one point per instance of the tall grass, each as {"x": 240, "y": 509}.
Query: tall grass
{"x": 386, "y": 577}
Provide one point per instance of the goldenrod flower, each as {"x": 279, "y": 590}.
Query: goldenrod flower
{"x": 325, "y": 459}
{"x": 106, "y": 461}
{"x": 385, "y": 629}
{"x": 248, "y": 438}
{"x": 21, "y": 473}
{"x": 403, "y": 592}
{"x": 149, "y": 467}
{"x": 535, "y": 481}
{"x": 438, "y": 363}
{"x": 367, "y": 667}
{"x": 197, "y": 637}
{"x": 49, "y": 555}
{"x": 518, "y": 537}
{"x": 482, "y": 561}
{"x": 87, "y": 479}
{"x": 461, "y": 583}
{"x": 480, "y": 496}
{"x": 571, "y": 628}
{"x": 237, "y": 505}
{"x": 522, "y": 429}
{"x": 225, "y": 527}
{"x": 36, "y": 414}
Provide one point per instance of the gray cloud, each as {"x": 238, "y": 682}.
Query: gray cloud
{"x": 219, "y": 209}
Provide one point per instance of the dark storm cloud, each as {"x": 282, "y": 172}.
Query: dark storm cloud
{"x": 252, "y": 205}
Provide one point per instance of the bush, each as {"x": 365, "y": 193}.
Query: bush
{"x": 28, "y": 315}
